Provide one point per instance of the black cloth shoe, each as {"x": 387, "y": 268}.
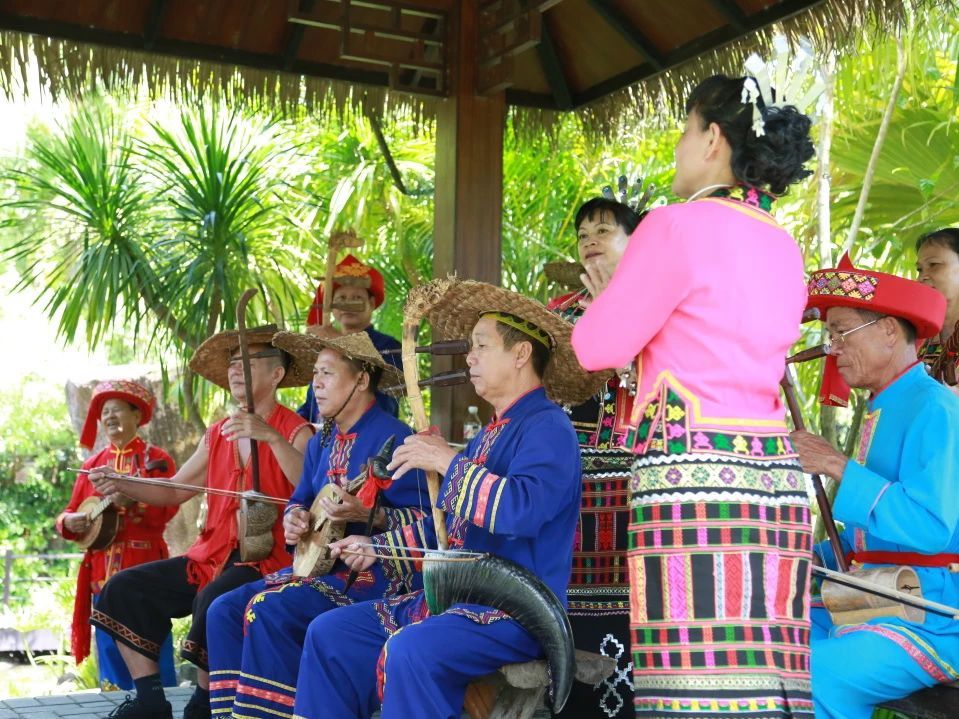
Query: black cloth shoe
{"x": 196, "y": 709}
{"x": 131, "y": 709}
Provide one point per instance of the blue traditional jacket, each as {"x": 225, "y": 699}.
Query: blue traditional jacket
{"x": 899, "y": 494}
{"x": 514, "y": 492}
{"x": 343, "y": 459}
{"x": 382, "y": 342}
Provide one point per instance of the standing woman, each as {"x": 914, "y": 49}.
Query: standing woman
{"x": 708, "y": 299}
{"x": 598, "y": 594}
{"x": 937, "y": 264}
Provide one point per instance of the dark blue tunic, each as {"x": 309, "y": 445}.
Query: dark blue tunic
{"x": 256, "y": 631}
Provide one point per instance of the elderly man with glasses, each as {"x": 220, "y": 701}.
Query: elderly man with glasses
{"x": 897, "y": 495}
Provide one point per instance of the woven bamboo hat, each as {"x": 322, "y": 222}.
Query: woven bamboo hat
{"x": 357, "y": 346}
{"x": 566, "y": 274}
{"x": 452, "y": 307}
{"x": 212, "y": 358}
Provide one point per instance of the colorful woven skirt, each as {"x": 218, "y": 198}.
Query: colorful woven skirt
{"x": 719, "y": 569}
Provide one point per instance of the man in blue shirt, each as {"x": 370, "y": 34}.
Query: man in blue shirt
{"x": 897, "y": 494}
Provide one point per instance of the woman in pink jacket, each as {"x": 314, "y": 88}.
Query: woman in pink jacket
{"x": 707, "y": 300}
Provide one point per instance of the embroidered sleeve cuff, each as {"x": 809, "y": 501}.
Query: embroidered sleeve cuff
{"x": 290, "y": 507}
{"x": 859, "y": 492}
{"x": 397, "y": 517}
{"x": 472, "y": 492}
{"x": 401, "y": 543}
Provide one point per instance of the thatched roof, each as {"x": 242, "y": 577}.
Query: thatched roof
{"x": 601, "y": 58}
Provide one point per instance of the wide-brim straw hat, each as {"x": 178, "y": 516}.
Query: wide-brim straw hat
{"x": 357, "y": 346}
{"x": 212, "y": 358}
{"x": 452, "y": 307}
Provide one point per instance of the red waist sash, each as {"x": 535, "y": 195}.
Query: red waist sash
{"x": 914, "y": 559}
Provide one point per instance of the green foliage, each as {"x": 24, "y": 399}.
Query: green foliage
{"x": 37, "y": 444}
{"x": 83, "y": 189}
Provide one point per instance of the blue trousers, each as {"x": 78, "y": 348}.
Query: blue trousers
{"x": 422, "y": 667}
{"x": 113, "y": 670}
{"x": 254, "y": 637}
{"x": 854, "y": 672}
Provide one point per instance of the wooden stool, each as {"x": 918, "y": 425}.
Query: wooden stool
{"x": 517, "y": 691}
{"x": 938, "y": 702}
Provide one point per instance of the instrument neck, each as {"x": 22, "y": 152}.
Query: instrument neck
{"x": 100, "y": 508}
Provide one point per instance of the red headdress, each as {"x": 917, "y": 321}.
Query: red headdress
{"x": 849, "y": 286}
{"x": 353, "y": 273}
{"x": 127, "y": 390}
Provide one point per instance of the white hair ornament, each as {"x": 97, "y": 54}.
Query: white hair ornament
{"x": 788, "y": 79}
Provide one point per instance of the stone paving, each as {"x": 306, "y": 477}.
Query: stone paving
{"x": 80, "y": 705}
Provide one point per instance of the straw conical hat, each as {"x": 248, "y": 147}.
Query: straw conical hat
{"x": 212, "y": 358}
{"x": 357, "y": 346}
{"x": 452, "y": 307}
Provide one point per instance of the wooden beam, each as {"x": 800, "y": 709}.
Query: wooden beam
{"x": 553, "y": 69}
{"x": 705, "y": 43}
{"x": 379, "y": 35}
{"x": 296, "y": 36}
{"x": 618, "y": 20}
{"x": 733, "y": 14}
{"x": 469, "y": 190}
{"x": 154, "y": 19}
{"x": 188, "y": 50}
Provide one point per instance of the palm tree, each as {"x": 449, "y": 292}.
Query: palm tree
{"x": 162, "y": 232}
{"x": 86, "y": 237}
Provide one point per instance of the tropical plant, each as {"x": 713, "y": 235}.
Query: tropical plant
{"x": 82, "y": 209}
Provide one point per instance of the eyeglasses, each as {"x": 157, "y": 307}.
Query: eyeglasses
{"x": 837, "y": 340}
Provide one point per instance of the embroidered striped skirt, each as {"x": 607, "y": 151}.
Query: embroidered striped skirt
{"x": 719, "y": 570}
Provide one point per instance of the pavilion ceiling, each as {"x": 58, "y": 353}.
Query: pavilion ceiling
{"x": 600, "y": 57}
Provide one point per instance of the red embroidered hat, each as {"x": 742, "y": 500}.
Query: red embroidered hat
{"x": 849, "y": 286}
{"x": 350, "y": 273}
{"x": 127, "y": 390}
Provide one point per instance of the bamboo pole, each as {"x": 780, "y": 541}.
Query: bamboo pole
{"x": 421, "y": 421}
{"x": 877, "y": 145}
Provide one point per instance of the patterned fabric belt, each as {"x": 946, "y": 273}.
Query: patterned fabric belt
{"x": 949, "y": 561}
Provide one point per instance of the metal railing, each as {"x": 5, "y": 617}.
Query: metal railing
{"x": 9, "y": 558}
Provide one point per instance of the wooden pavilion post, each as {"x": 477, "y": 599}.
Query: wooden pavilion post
{"x": 469, "y": 189}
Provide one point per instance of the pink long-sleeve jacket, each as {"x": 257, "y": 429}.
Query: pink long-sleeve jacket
{"x": 707, "y": 299}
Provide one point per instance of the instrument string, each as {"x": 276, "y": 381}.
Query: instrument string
{"x": 253, "y": 496}
{"x": 428, "y": 555}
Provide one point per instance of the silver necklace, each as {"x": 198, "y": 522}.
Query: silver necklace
{"x": 703, "y": 190}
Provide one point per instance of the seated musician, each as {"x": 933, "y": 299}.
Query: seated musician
{"x": 120, "y": 406}
{"x": 256, "y": 632}
{"x": 897, "y": 495}
{"x": 354, "y": 283}
{"x": 137, "y": 604}
{"x": 514, "y": 492}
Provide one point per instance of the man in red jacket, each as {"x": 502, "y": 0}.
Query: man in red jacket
{"x": 120, "y": 407}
